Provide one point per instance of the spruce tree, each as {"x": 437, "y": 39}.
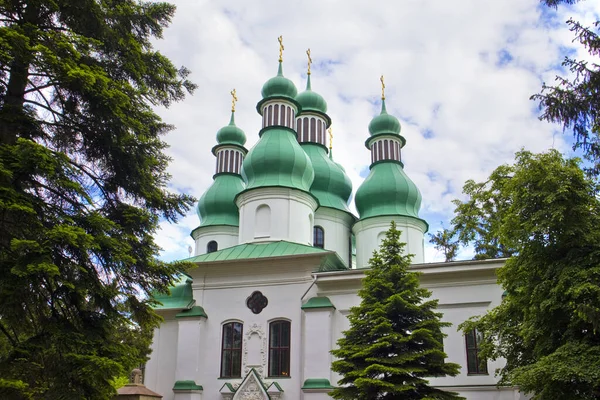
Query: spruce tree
{"x": 83, "y": 186}
{"x": 395, "y": 341}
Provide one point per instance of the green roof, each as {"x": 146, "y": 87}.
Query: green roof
{"x": 311, "y": 101}
{"x": 387, "y": 191}
{"x": 180, "y": 297}
{"x": 384, "y": 123}
{"x": 278, "y": 160}
{"x": 249, "y": 251}
{"x": 217, "y": 205}
{"x": 279, "y": 86}
{"x": 196, "y": 311}
{"x": 316, "y": 383}
{"x": 331, "y": 185}
{"x": 231, "y": 134}
{"x": 317, "y": 302}
{"x": 186, "y": 385}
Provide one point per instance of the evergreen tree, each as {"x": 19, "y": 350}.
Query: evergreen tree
{"x": 82, "y": 189}
{"x": 547, "y": 327}
{"x": 395, "y": 342}
{"x": 444, "y": 241}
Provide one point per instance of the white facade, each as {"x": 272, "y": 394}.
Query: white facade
{"x": 337, "y": 228}
{"x": 224, "y": 235}
{"x": 189, "y": 349}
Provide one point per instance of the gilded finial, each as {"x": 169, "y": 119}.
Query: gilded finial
{"x": 330, "y": 138}
{"x": 382, "y": 88}
{"x": 281, "y": 48}
{"x": 233, "y": 100}
{"x": 309, "y": 61}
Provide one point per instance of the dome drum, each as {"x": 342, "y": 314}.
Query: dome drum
{"x": 229, "y": 159}
{"x": 386, "y": 148}
{"x": 312, "y": 128}
{"x": 278, "y": 113}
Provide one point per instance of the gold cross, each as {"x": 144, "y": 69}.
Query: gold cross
{"x": 382, "y": 88}
{"x": 309, "y": 60}
{"x": 281, "y": 48}
{"x": 330, "y": 138}
{"x": 233, "y": 100}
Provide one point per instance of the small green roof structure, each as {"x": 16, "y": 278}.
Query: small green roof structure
{"x": 217, "y": 206}
{"x": 180, "y": 296}
{"x": 279, "y": 86}
{"x": 384, "y": 123}
{"x": 231, "y": 134}
{"x": 311, "y": 101}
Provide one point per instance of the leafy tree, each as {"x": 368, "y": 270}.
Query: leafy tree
{"x": 82, "y": 188}
{"x": 547, "y": 326}
{"x": 395, "y": 340}
{"x": 574, "y": 101}
{"x": 444, "y": 241}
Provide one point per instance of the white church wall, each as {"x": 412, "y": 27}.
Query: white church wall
{"x": 224, "y": 235}
{"x": 337, "y": 226}
{"x": 160, "y": 369}
{"x": 289, "y": 214}
{"x": 370, "y": 232}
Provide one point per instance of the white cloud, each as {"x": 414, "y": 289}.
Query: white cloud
{"x": 460, "y": 73}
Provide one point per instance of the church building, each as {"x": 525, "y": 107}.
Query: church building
{"x": 279, "y": 258}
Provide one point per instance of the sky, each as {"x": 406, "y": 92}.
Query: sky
{"x": 459, "y": 76}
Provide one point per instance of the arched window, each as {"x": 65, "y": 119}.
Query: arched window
{"x": 212, "y": 246}
{"x": 231, "y": 350}
{"x": 318, "y": 237}
{"x": 279, "y": 348}
{"x": 475, "y": 365}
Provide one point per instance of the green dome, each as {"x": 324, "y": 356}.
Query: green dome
{"x": 231, "y": 134}
{"x": 278, "y": 160}
{"x": 311, "y": 101}
{"x": 384, "y": 123}
{"x": 217, "y": 205}
{"x": 279, "y": 86}
{"x": 331, "y": 186}
{"x": 387, "y": 191}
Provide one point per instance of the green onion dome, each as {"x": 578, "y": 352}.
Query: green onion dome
{"x": 279, "y": 86}
{"x": 311, "y": 101}
{"x": 331, "y": 185}
{"x": 231, "y": 134}
{"x": 384, "y": 123}
{"x": 278, "y": 160}
{"x": 387, "y": 191}
{"x": 217, "y": 205}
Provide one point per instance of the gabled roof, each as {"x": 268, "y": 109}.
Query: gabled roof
{"x": 248, "y": 251}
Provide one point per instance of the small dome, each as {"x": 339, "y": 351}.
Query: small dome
{"x": 311, "y": 101}
{"x": 384, "y": 123}
{"x": 278, "y": 160}
{"x": 331, "y": 186}
{"x": 231, "y": 134}
{"x": 279, "y": 86}
{"x": 217, "y": 205}
{"x": 388, "y": 191}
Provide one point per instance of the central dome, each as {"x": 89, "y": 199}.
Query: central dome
{"x": 278, "y": 160}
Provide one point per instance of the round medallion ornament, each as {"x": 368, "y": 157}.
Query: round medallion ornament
{"x": 257, "y": 302}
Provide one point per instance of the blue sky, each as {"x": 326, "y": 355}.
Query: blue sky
{"x": 458, "y": 76}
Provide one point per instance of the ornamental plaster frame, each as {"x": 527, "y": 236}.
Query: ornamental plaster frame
{"x": 262, "y": 368}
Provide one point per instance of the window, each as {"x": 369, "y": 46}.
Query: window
{"x": 212, "y": 246}
{"x": 475, "y": 365}
{"x": 279, "y": 348}
{"x": 319, "y": 237}
{"x": 231, "y": 350}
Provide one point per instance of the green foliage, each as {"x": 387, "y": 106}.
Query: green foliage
{"x": 574, "y": 101}
{"x": 445, "y": 241}
{"x": 395, "y": 340}
{"x": 82, "y": 189}
{"x": 547, "y": 325}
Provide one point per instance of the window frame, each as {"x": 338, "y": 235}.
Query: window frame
{"x": 209, "y": 244}
{"x": 231, "y": 350}
{"x": 322, "y": 231}
{"x": 473, "y": 351}
{"x": 281, "y": 370}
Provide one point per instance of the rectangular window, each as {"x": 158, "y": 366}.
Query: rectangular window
{"x": 475, "y": 365}
{"x": 279, "y": 349}
{"x": 231, "y": 350}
